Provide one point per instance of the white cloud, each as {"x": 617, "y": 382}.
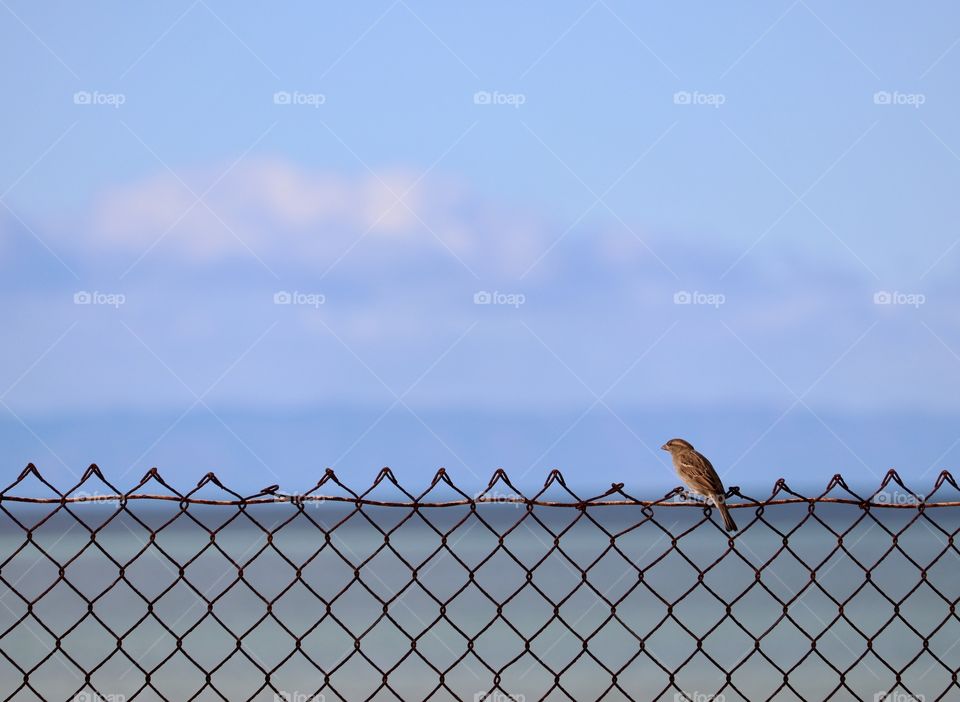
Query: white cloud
{"x": 290, "y": 215}
{"x": 399, "y": 297}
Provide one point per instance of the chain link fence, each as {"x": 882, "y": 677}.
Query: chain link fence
{"x": 153, "y": 594}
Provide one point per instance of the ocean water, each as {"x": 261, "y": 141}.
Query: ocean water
{"x": 556, "y": 603}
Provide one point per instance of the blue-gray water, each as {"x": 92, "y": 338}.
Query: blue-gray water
{"x": 662, "y": 634}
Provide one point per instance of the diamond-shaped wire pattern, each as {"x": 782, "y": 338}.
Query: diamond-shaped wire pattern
{"x": 152, "y": 594}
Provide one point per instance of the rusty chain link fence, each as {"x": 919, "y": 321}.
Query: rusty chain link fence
{"x": 153, "y": 594}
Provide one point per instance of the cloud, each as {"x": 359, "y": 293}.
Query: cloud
{"x": 394, "y": 223}
{"x": 399, "y": 293}
{"x": 288, "y": 215}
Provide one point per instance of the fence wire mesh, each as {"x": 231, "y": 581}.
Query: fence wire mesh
{"x": 154, "y": 594}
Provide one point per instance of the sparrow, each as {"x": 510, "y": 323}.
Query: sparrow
{"x": 699, "y": 475}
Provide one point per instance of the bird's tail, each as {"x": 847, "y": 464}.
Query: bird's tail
{"x": 724, "y": 511}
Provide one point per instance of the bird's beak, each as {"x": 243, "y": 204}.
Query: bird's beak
{"x": 664, "y": 448}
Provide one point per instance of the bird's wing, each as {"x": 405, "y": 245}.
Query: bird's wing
{"x": 704, "y": 474}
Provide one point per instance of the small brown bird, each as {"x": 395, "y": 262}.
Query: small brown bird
{"x": 697, "y": 472}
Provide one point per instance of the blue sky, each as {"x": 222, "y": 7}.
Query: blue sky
{"x": 789, "y": 171}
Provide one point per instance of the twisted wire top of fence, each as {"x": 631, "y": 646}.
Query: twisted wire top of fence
{"x": 615, "y": 495}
